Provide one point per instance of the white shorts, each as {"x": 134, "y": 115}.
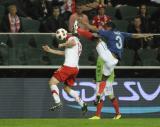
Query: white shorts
{"x": 108, "y": 90}
{"x": 108, "y": 58}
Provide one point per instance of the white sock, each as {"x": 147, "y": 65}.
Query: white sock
{"x": 97, "y": 87}
{"x": 55, "y": 93}
{"x": 75, "y": 95}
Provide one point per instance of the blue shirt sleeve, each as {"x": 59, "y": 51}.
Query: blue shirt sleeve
{"x": 104, "y": 33}
{"x": 125, "y": 34}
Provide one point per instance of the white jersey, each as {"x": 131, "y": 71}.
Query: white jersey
{"x": 73, "y": 53}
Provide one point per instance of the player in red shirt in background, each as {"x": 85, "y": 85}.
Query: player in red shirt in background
{"x": 101, "y": 18}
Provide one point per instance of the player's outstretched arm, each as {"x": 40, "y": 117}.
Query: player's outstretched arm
{"x": 89, "y": 26}
{"x": 146, "y": 37}
{"x": 48, "y": 49}
{"x": 142, "y": 36}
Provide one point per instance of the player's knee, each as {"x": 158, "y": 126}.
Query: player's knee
{"x": 111, "y": 97}
{"x": 66, "y": 89}
{"x": 53, "y": 81}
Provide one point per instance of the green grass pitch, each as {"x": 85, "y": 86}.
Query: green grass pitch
{"x": 124, "y": 122}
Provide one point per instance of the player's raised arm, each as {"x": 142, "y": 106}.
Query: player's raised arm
{"x": 48, "y": 49}
{"x": 89, "y": 26}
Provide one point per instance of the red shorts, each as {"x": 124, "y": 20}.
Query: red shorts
{"x": 66, "y": 74}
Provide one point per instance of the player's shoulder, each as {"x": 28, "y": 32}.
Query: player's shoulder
{"x": 73, "y": 39}
{"x": 117, "y": 32}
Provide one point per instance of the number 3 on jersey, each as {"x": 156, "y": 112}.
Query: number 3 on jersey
{"x": 119, "y": 42}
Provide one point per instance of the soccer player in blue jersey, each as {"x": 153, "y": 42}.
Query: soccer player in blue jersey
{"x": 110, "y": 53}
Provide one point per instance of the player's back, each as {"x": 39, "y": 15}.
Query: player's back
{"x": 72, "y": 54}
{"x": 115, "y": 40}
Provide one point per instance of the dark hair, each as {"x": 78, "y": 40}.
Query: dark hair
{"x": 56, "y": 7}
{"x": 79, "y": 4}
{"x": 137, "y": 17}
{"x": 111, "y": 24}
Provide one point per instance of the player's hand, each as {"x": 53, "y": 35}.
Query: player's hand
{"x": 148, "y": 37}
{"x": 46, "y": 48}
{"x": 60, "y": 45}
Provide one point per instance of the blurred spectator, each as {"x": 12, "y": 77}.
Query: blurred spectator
{"x": 78, "y": 14}
{"x": 55, "y": 21}
{"x": 89, "y": 6}
{"x": 145, "y": 18}
{"x": 156, "y": 28}
{"x": 156, "y": 21}
{"x": 11, "y": 22}
{"x": 135, "y": 27}
{"x": 22, "y": 6}
{"x": 105, "y": 2}
{"x": 41, "y": 9}
{"x": 68, "y": 8}
{"x": 101, "y": 18}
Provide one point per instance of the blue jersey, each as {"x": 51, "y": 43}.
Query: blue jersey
{"x": 115, "y": 40}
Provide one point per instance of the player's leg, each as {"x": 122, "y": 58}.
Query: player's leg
{"x": 55, "y": 93}
{"x": 59, "y": 76}
{"x": 81, "y": 32}
{"x": 98, "y": 110}
{"x": 69, "y": 83}
{"x": 99, "y": 99}
{"x": 99, "y": 73}
{"x": 75, "y": 95}
{"x": 99, "y": 88}
{"x": 109, "y": 91}
{"x": 116, "y": 106}
{"x": 109, "y": 63}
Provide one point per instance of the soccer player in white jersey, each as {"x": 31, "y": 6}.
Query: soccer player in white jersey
{"x": 68, "y": 71}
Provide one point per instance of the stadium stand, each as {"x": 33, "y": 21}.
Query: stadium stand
{"x": 128, "y": 56}
{"x": 17, "y": 51}
{"x": 30, "y": 25}
{"x": 111, "y": 11}
{"x": 152, "y": 9}
{"x": 148, "y": 57}
{"x": 2, "y": 12}
{"x": 127, "y": 12}
{"x": 121, "y": 25}
{"x": 3, "y": 50}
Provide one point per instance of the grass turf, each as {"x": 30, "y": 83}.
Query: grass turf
{"x": 126, "y": 122}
